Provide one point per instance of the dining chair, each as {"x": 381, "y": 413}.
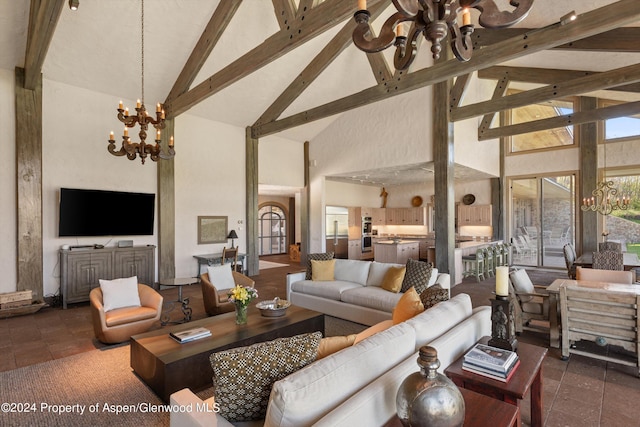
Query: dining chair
{"x": 569, "y": 259}
{"x": 608, "y": 260}
{"x": 610, "y": 246}
{"x": 230, "y": 255}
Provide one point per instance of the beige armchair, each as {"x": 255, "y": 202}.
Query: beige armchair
{"x": 217, "y": 301}
{"x": 119, "y": 325}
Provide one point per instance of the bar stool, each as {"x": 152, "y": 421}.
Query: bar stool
{"x": 474, "y": 265}
{"x": 506, "y": 253}
{"x": 489, "y": 266}
{"x": 498, "y": 258}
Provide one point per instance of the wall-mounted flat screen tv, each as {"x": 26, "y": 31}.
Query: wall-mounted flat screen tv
{"x": 105, "y": 213}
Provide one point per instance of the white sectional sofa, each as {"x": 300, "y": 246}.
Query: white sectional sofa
{"x": 357, "y": 385}
{"x": 355, "y": 294}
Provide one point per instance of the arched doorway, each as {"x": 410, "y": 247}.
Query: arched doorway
{"x": 272, "y": 230}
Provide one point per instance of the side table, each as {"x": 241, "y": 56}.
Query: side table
{"x": 528, "y": 376}
{"x": 480, "y": 411}
{"x": 186, "y": 310}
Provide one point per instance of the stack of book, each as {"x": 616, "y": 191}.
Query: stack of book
{"x": 491, "y": 362}
{"x": 190, "y": 334}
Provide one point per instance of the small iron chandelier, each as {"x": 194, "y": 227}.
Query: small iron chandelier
{"x": 605, "y": 198}
{"x": 435, "y": 19}
{"x": 132, "y": 149}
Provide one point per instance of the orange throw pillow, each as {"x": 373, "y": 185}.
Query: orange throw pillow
{"x": 408, "y": 306}
{"x": 330, "y": 345}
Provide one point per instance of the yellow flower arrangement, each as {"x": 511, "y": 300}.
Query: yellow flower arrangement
{"x": 241, "y": 295}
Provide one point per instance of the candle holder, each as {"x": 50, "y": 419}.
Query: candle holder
{"x": 503, "y": 330}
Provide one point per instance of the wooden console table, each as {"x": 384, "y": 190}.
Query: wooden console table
{"x": 213, "y": 259}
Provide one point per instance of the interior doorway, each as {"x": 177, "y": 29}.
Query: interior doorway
{"x": 272, "y": 230}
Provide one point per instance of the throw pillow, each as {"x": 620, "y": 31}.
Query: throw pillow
{"x": 221, "y": 276}
{"x": 243, "y": 377}
{"x": 120, "y": 293}
{"x": 330, "y": 345}
{"x": 378, "y": 327}
{"x": 417, "y": 275}
{"x": 318, "y": 257}
{"x": 408, "y": 306}
{"x": 433, "y": 295}
{"x": 322, "y": 270}
{"x": 522, "y": 284}
{"x": 392, "y": 281}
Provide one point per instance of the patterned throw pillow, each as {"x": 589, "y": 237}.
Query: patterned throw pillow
{"x": 318, "y": 257}
{"x": 433, "y": 295}
{"x": 243, "y": 377}
{"x": 417, "y": 275}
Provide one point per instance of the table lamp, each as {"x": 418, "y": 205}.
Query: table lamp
{"x": 232, "y": 235}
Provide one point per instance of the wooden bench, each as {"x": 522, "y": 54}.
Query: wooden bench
{"x": 603, "y": 317}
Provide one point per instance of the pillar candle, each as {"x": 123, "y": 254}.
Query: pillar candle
{"x": 111, "y": 136}
{"x": 502, "y": 281}
{"x": 171, "y": 142}
{"x": 138, "y": 103}
{"x": 158, "y": 135}
{"x": 466, "y": 17}
{"x": 400, "y": 30}
{"x": 120, "y": 105}
{"x": 126, "y": 132}
{"x": 362, "y": 4}
{"x": 158, "y": 108}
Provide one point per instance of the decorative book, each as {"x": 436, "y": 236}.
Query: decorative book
{"x": 492, "y": 358}
{"x": 504, "y": 377}
{"x": 190, "y": 334}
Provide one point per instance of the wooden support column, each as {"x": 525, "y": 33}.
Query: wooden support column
{"x": 166, "y": 210}
{"x": 29, "y": 185}
{"x": 251, "y": 170}
{"x": 588, "y": 221}
{"x": 444, "y": 179}
{"x": 305, "y": 209}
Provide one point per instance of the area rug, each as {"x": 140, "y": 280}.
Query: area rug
{"x": 264, "y": 265}
{"x": 95, "y": 388}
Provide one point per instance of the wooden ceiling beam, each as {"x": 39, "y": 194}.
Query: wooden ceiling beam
{"x": 623, "y": 39}
{"x": 326, "y": 56}
{"x": 319, "y": 19}
{"x": 544, "y": 76}
{"x": 458, "y": 90}
{"x": 43, "y": 19}
{"x": 209, "y": 38}
{"x": 590, "y": 23}
{"x": 612, "y": 112}
{"x": 500, "y": 90}
{"x": 285, "y": 11}
{"x": 606, "y": 80}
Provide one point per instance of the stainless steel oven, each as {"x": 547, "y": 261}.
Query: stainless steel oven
{"x": 366, "y": 243}
{"x": 366, "y": 225}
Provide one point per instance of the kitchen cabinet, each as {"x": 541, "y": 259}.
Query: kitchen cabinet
{"x": 405, "y": 216}
{"x": 474, "y": 215}
{"x": 397, "y": 253}
{"x": 378, "y": 216}
{"x": 355, "y": 249}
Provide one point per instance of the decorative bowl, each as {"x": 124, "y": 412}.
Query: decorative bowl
{"x": 273, "y": 308}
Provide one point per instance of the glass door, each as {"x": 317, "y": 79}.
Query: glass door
{"x": 542, "y": 219}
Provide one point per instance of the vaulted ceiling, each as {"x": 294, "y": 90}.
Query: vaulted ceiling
{"x": 288, "y": 67}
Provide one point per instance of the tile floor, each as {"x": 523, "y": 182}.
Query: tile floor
{"x": 581, "y": 392}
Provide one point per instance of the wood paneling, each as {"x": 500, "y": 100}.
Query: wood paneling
{"x": 29, "y": 184}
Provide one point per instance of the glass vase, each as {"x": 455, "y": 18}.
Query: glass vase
{"x": 241, "y": 314}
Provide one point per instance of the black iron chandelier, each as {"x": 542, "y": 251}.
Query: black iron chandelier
{"x": 435, "y": 19}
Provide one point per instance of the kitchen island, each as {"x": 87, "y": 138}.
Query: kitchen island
{"x": 396, "y": 251}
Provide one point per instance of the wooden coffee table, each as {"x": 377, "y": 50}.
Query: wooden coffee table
{"x": 527, "y": 376}
{"x": 480, "y": 411}
{"x": 168, "y": 366}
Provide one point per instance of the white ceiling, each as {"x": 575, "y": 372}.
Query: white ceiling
{"x": 98, "y": 47}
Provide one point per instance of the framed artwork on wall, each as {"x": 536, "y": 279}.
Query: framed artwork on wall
{"x": 212, "y": 229}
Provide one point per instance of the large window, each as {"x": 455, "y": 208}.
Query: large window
{"x": 620, "y": 127}
{"x": 545, "y": 139}
{"x": 624, "y": 225}
{"x": 272, "y": 230}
